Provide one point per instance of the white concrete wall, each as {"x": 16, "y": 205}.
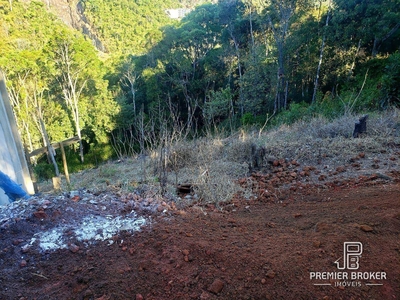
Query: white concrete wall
{"x": 12, "y": 157}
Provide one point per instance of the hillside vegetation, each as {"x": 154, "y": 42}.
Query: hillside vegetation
{"x": 135, "y": 80}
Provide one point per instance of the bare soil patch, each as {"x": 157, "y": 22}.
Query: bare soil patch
{"x": 263, "y": 248}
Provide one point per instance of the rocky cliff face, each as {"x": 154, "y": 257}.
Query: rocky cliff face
{"x": 72, "y": 13}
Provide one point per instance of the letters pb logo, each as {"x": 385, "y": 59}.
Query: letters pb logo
{"x": 351, "y": 256}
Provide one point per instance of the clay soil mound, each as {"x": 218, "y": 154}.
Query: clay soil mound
{"x": 246, "y": 249}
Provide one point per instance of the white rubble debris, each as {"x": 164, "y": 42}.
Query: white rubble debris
{"x": 92, "y": 228}
{"x": 86, "y": 226}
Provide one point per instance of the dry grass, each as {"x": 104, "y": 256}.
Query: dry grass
{"x": 213, "y": 164}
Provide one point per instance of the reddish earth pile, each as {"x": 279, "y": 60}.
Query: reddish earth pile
{"x": 269, "y": 247}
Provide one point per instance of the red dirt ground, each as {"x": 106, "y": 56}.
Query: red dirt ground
{"x": 246, "y": 249}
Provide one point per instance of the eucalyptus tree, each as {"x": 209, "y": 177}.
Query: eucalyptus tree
{"x": 72, "y": 78}
{"x": 24, "y": 33}
{"x": 79, "y": 84}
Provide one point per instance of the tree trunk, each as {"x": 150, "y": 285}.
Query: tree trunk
{"x": 72, "y": 85}
{"x": 241, "y": 106}
{"x": 285, "y": 11}
{"x": 378, "y": 42}
{"x": 354, "y": 60}
{"x": 50, "y": 150}
{"x": 131, "y": 77}
{"x": 320, "y": 60}
{"x": 286, "y": 95}
{"x": 251, "y": 32}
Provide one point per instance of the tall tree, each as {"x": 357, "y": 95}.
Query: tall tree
{"x": 372, "y": 22}
{"x": 72, "y": 80}
{"x": 279, "y": 16}
{"x": 320, "y": 59}
{"x": 230, "y": 16}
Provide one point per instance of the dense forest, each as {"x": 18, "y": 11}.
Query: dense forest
{"x": 139, "y": 75}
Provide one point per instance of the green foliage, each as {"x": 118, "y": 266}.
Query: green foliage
{"x": 44, "y": 171}
{"x": 247, "y": 119}
{"x": 219, "y": 105}
{"x": 229, "y": 62}
{"x": 256, "y": 86}
{"x": 135, "y": 30}
{"x": 390, "y": 82}
{"x": 33, "y": 65}
{"x": 296, "y": 111}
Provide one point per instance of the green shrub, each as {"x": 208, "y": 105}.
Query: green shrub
{"x": 296, "y": 112}
{"x": 247, "y": 119}
{"x": 390, "y": 82}
{"x": 43, "y": 171}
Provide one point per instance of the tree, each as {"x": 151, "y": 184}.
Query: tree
{"x": 320, "y": 59}
{"x": 72, "y": 80}
{"x": 129, "y": 79}
{"x": 185, "y": 54}
{"x": 230, "y": 15}
{"x": 279, "y": 15}
{"x": 372, "y": 22}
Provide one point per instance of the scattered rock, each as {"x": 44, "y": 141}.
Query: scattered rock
{"x": 322, "y": 226}
{"x": 366, "y": 228}
{"x": 75, "y": 198}
{"x": 216, "y": 287}
{"x": 340, "y": 169}
{"x": 73, "y": 248}
{"x": 205, "y": 296}
{"x": 270, "y": 274}
{"x": 16, "y": 242}
{"x": 25, "y": 248}
{"x": 270, "y": 224}
{"x": 316, "y": 244}
{"x": 88, "y": 294}
{"x": 40, "y": 214}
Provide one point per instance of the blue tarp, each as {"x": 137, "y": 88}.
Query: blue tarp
{"x": 11, "y": 189}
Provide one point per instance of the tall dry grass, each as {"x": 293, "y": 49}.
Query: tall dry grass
{"x": 213, "y": 163}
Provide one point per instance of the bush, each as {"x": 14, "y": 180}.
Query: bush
{"x": 390, "y": 82}
{"x": 296, "y": 112}
{"x": 247, "y": 119}
{"x": 43, "y": 171}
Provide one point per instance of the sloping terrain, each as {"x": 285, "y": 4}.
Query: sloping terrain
{"x": 138, "y": 245}
{"x": 294, "y": 213}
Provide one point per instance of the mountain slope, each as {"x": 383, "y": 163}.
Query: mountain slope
{"x": 116, "y": 26}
